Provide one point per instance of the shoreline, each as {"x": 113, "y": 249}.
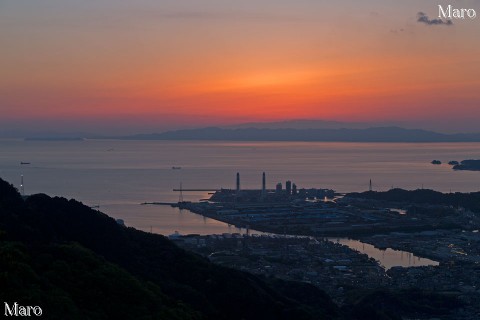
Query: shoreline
{"x": 330, "y": 237}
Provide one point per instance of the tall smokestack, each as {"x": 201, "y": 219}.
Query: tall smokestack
{"x": 288, "y": 187}
{"x": 264, "y": 186}
{"x": 238, "y": 182}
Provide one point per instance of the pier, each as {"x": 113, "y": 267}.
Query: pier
{"x": 199, "y": 190}
{"x": 160, "y": 203}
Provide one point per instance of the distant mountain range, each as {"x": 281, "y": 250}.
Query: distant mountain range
{"x": 291, "y": 130}
{"x": 374, "y": 134}
{"x": 313, "y": 124}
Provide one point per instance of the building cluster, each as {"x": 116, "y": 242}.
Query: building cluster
{"x": 446, "y": 246}
{"x": 459, "y": 280}
{"x": 447, "y": 235}
{"x": 311, "y": 217}
{"x": 290, "y": 189}
{"x": 264, "y": 195}
{"x": 330, "y": 266}
{"x": 336, "y": 268}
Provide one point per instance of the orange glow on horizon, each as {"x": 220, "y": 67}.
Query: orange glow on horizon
{"x": 277, "y": 63}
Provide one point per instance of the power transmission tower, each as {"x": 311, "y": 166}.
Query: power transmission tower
{"x": 180, "y": 197}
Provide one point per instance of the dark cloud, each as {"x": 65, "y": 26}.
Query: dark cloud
{"x": 423, "y": 18}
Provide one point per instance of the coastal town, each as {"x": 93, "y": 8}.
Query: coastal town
{"x": 335, "y": 268}
{"x": 296, "y": 242}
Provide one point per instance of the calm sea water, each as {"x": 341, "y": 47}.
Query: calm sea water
{"x": 388, "y": 258}
{"x": 119, "y": 175}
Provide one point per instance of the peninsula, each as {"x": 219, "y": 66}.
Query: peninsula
{"x": 470, "y": 165}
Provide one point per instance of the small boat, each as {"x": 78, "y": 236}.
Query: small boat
{"x": 23, "y": 163}
{"x": 176, "y": 168}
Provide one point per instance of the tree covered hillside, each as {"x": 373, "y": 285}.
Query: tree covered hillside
{"x": 78, "y": 263}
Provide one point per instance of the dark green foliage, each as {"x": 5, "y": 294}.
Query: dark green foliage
{"x": 71, "y": 280}
{"x": 308, "y": 295}
{"x": 75, "y": 261}
{"x": 10, "y": 199}
{"x": 467, "y": 200}
{"x": 389, "y": 305}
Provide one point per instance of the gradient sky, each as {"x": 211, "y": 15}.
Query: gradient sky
{"x": 113, "y": 66}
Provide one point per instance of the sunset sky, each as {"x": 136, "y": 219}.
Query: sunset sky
{"x": 116, "y": 66}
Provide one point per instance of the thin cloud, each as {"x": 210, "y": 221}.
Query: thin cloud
{"x": 228, "y": 15}
{"x": 423, "y": 18}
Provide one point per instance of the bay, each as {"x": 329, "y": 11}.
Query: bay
{"x": 118, "y": 175}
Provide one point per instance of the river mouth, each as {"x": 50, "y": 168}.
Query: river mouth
{"x": 387, "y": 258}
{"x": 167, "y": 220}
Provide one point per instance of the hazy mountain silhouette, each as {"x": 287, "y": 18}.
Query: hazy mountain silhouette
{"x": 376, "y": 134}
{"x": 311, "y": 124}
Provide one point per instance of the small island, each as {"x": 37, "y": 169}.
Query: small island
{"x": 453, "y": 163}
{"x": 436, "y": 162}
{"x": 471, "y": 165}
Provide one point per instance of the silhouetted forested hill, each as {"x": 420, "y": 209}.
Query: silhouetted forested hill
{"x": 424, "y": 196}
{"x": 78, "y": 263}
